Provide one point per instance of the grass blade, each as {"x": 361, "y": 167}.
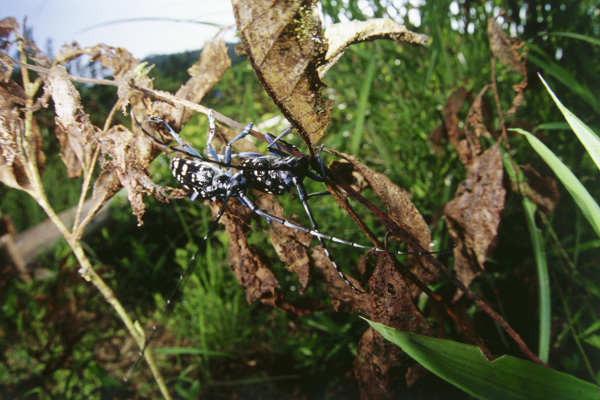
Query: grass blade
{"x": 563, "y": 76}
{"x": 539, "y": 251}
{"x": 582, "y": 197}
{"x": 505, "y": 378}
{"x": 583, "y": 132}
{"x": 362, "y": 107}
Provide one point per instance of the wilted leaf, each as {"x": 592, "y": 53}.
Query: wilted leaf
{"x": 341, "y": 36}
{"x": 12, "y": 158}
{"x": 126, "y": 70}
{"x": 249, "y": 265}
{"x": 284, "y": 43}
{"x": 74, "y": 130}
{"x": 480, "y": 118}
{"x": 436, "y": 137}
{"x": 127, "y": 156}
{"x": 402, "y": 211}
{"x": 290, "y": 244}
{"x": 377, "y": 365}
{"x": 543, "y": 191}
{"x": 456, "y": 135}
{"x": 473, "y": 215}
{"x": 7, "y": 27}
{"x": 204, "y": 75}
{"x": 505, "y": 49}
{"x": 510, "y": 52}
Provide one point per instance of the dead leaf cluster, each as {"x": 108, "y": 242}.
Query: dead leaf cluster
{"x": 290, "y": 53}
{"x": 474, "y": 215}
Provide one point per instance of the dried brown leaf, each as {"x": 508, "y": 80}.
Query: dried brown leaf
{"x": 402, "y": 211}
{"x": 69, "y": 52}
{"x": 543, "y": 191}
{"x": 126, "y": 70}
{"x": 284, "y": 43}
{"x": 204, "y": 75}
{"x": 127, "y": 155}
{"x": 105, "y": 186}
{"x": 290, "y": 244}
{"x": 12, "y": 158}
{"x": 436, "y": 137}
{"x": 248, "y": 263}
{"x": 341, "y": 36}
{"x": 480, "y": 118}
{"x": 378, "y": 364}
{"x": 510, "y": 52}
{"x": 74, "y": 130}
{"x": 473, "y": 215}
{"x": 505, "y": 49}
{"x": 8, "y": 26}
{"x": 456, "y": 135}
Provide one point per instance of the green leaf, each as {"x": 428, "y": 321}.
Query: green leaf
{"x": 582, "y": 197}
{"x": 562, "y": 75}
{"x": 593, "y": 340}
{"x": 585, "y": 134}
{"x": 193, "y": 351}
{"x": 539, "y": 251}
{"x": 577, "y": 36}
{"x": 505, "y": 378}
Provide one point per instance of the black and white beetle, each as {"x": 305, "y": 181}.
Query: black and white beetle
{"x": 275, "y": 174}
{"x": 215, "y": 178}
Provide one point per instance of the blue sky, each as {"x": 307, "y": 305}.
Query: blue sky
{"x": 121, "y": 23}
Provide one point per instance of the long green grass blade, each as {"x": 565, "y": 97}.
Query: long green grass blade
{"x": 577, "y": 36}
{"x": 362, "y": 107}
{"x": 583, "y": 132}
{"x": 582, "y": 197}
{"x": 505, "y": 378}
{"x": 541, "y": 262}
{"x": 193, "y": 351}
{"x": 563, "y": 76}
{"x": 539, "y": 251}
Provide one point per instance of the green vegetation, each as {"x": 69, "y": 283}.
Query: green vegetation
{"x": 61, "y": 340}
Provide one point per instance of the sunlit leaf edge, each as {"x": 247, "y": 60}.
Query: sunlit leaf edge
{"x": 504, "y": 378}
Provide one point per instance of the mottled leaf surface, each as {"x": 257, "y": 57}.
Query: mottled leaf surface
{"x": 284, "y": 43}
{"x": 473, "y": 215}
{"x": 509, "y": 51}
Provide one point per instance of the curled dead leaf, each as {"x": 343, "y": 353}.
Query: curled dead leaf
{"x": 126, "y": 70}
{"x": 127, "y": 155}
{"x": 543, "y": 191}
{"x": 284, "y": 43}
{"x": 505, "y": 49}
{"x": 214, "y": 61}
{"x": 13, "y": 159}
{"x": 402, "y": 211}
{"x": 511, "y": 53}
{"x": 473, "y": 215}
{"x": 456, "y": 135}
{"x": 290, "y": 244}
{"x": 8, "y": 26}
{"x": 341, "y": 36}
{"x": 480, "y": 118}
{"x": 248, "y": 263}
{"x": 74, "y": 130}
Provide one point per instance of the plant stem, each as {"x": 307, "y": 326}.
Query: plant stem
{"x": 86, "y": 271}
